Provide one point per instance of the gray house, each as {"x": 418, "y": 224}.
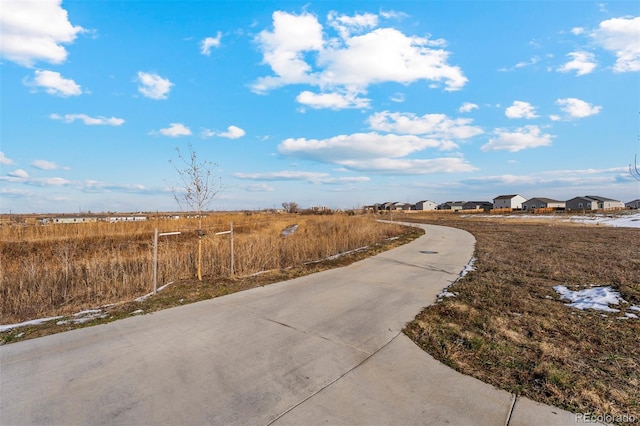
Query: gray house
{"x": 542, "y": 203}
{"x": 451, "y": 205}
{"x": 425, "y": 205}
{"x": 508, "y": 202}
{"x": 477, "y": 205}
{"x": 593, "y": 202}
{"x": 635, "y": 204}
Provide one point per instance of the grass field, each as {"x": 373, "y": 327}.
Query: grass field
{"x": 62, "y": 269}
{"x": 507, "y": 326}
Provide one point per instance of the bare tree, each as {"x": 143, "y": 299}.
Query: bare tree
{"x": 633, "y": 169}
{"x": 291, "y": 207}
{"x": 196, "y": 190}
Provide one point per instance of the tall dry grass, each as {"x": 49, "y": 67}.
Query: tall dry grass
{"x": 60, "y": 269}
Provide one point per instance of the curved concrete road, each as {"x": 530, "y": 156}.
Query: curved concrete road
{"x": 322, "y": 349}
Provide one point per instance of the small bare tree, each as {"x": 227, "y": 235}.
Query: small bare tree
{"x": 291, "y": 207}
{"x": 633, "y": 169}
{"x": 196, "y": 190}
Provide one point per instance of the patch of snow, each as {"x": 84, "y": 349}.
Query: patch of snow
{"x": 635, "y": 308}
{"x": 148, "y": 295}
{"x": 618, "y": 220}
{"x": 630, "y": 315}
{"x": 136, "y": 312}
{"x": 87, "y": 312}
{"x": 598, "y": 298}
{"x": 446, "y": 293}
{"x": 26, "y": 323}
{"x": 468, "y": 268}
{"x": 289, "y": 230}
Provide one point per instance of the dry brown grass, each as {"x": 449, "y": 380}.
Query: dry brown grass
{"x": 62, "y": 269}
{"x": 508, "y": 327}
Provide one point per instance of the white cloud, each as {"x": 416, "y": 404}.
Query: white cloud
{"x": 577, "y": 108}
{"x": 408, "y": 166}
{"x": 622, "y": 37}
{"x": 19, "y": 174}
{"x": 523, "y": 138}
{"x": 339, "y": 149}
{"x": 209, "y": 42}
{"x": 397, "y": 97}
{"x": 174, "y": 130}
{"x": 334, "y": 100}
{"x": 467, "y": 107}
{"x": 520, "y": 109}
{"x": 581, "y": 62}
{"x": 298, "y": 53}
{"x": 233, "y": 132}
{"x": 260, "y": 187}
{"x": 283, "y": 49}
{"x": 4, "y": 160}
{"x": 374, "y": 152}
{"x": 311, "y": 177}
{"x": 346, "y": 25}
{"x": 47, "y": 165}
{"x": 54, "y": 84}
{"x": 577, "y": 30}
{"x": 34, "y": 30}
{"x": 153, "y": 86}
{"x": 437, "y": 126}
{"x": 89, "y": 121}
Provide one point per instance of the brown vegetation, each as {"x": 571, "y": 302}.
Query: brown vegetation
{"x": 507, "y": 326}
{"x": 61, "y": 269}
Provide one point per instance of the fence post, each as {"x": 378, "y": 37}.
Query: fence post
{"x": 155, "y": 261}
{"x": 232, "y": 249}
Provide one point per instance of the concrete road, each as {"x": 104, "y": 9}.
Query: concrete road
{"x": 321, "y": 349}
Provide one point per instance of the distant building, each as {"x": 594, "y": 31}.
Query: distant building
{"x": 451, "y": 205}
{"x": 635, "y": 204}
{"x": 543, "y": 203}
{"x": 477, "y": 205}
{"x": 509, "y": 202}
{"x": 425, "y": 205}
{"x": 593, "y": 202}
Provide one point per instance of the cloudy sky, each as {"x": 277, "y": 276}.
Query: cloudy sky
{"x": 340, "y": 104}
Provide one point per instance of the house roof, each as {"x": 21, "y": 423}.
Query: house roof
{"x": 598, "y": 198}
{"x": 545, "y": 200}
{"x": 507, "y": 197}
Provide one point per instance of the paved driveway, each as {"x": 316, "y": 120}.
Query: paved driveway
{"x": 321, "y": 349}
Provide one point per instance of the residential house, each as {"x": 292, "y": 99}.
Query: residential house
{"x": 509, "y": 202}
{"x": 635, "y": 204}
{"x": 543, "y": 203}
{"x": 451, "y": 205}
{"x": 593, "y": 202}
{"x": 477, "y": 205}
{"x": 401, "y": 206}
{"x": 425, "y": 205}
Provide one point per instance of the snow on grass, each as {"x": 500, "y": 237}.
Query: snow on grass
{"x": 27, "y": 323}
{"x": 617, "y": 220}
{"x": 468, "y": 267}
{"x": 598, "y": 298}
{"x": 445, "y": 292}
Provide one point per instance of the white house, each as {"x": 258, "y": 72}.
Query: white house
{"x": 425, "y": 205}
{"x": 509, "y": 202}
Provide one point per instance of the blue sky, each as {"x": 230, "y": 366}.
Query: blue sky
{"x": 340, "y": 104}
